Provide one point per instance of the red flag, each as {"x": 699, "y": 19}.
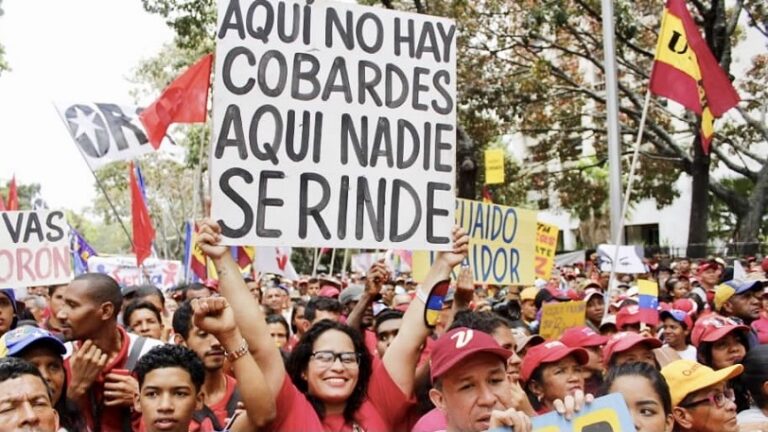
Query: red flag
{"x": 143, "y": 232}
{"x": 184, "y": 101}
{"x": 244, "y": 256}
{"x": 686, "y": 71}
{"x": 2, "y": 203}
{"x": 13, "y": 197}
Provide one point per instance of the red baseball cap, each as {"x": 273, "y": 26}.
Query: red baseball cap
{"x": 686, "y": 305}
{"x": 549, "y": 352}
{"x": 582, "y": 337}
{"x": 706, "y": 265}
{"x": 679, "y": 316}
{"x": 764, "y": 264}
{"x": 628, "y": 315}
{"x": 458, "y": 344}
{"x": 329, "y": 291}
{"x": 714, "y": 327}
{"x": 624, "y": 341}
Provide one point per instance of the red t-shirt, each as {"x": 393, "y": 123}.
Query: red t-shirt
{"x": 760, "y": 326}
{"x": 111, "y": 417}
{"x": 383, "y": 407}
{"x": 370, "y": 342}
{"x": 219, "y": 410}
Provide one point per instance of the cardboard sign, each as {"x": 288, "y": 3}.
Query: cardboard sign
{"x": 557, "y": 317}
{"x": 334, "y": 125}
{"x": 160, "y": 273}
{"x": 34, "y": 248}
{"x": 494, "y": 166}
{"x": 501, "y": 246}
{"x": 630, "y": 259}
{"x": 106, "y": 132}
{"x": 546, "y": 245}
{"x": 605, "y": 414}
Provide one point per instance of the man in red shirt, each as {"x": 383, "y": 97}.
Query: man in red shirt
{"x": 220, "y": 390}
{"x": 100, "y": 353}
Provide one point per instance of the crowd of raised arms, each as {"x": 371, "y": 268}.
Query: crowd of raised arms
{"x": 355, "y": 353}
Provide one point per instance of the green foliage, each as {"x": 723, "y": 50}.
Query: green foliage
{"x": 25, "y": 193}
{"x": 3, "y": 63}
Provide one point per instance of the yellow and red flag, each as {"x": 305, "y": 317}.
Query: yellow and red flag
{"x": 686, "y": 71}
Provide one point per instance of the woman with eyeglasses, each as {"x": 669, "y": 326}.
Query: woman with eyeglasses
{"x": 331, "y": 383}
{"x": 702, "y": 401}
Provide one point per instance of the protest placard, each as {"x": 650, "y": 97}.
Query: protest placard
{"x": 557, "y": 317}
{"x": 605, "y": 414}
{"x": 501, "y": 245}
{"x": 630, "y": 258}
{"x": 163, "y": 274}
{"x": 333, "y": 126}
{"x": 494, "y": 166}
{"x": 34, "y": 248}
{"x": 108, "y": 132}
{"x": 546, "y": 245}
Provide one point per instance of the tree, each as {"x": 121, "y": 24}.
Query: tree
{"x": 25, "y": 192}
{"x": 3, "y": 63}
{"x": 535, "y": 68}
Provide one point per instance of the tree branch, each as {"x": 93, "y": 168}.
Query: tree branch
{"x": 733, "y": 166}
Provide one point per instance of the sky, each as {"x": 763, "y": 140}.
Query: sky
{"x": 73, "y": 50}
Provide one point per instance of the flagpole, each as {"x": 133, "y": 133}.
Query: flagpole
{"x": 627, "y": 194}
{"x": 333, "y": 257}
{"x": 314, "y": 264}
{"x": 344, "y": 263}
{"x": 612, "y": 113}
{"x": 198, "y": 189}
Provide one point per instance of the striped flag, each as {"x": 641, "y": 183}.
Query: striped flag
{"x": 648, "y": 301}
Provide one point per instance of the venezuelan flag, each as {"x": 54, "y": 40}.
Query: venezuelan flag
{"x": 648, "y": 301}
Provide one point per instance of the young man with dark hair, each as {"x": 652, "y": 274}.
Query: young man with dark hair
{"x": 320, "y": 308}
{"x": 221, "y": 395}
{"x": 102, "y": 354}
{"x": 8, "y": 310}
{"x": 386, "y": 327}
{"x": 172, "y": 377}
{"x": 145, "y": 319}
{"x": 25, "y": 399}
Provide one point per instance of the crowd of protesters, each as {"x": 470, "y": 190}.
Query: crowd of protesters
{"x": 356, "y": 353}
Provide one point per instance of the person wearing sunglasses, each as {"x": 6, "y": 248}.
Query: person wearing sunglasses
{"x": 701, "y": 398}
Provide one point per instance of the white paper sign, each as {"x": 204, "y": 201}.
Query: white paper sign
{"x": 333, "y": 126}
{"x": 160, "y": 273}
{"x": 34, "y": 248}
{"x": 630, "y": 259}
{"x": 106, "y": 132}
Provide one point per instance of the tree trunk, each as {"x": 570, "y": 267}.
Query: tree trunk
{"x": 698, "y": 230}
{"x": 751, "y": 223}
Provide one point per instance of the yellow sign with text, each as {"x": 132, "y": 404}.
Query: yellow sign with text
{"x": 501, "y": 246}
{"x": 546, "y": 245}
{"x": 557, "y": 317}
{"x": 494, "y": 166}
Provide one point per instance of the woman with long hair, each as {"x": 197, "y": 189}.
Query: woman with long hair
{"x": 330, "y": 383}
{"x": 646, "y": 393}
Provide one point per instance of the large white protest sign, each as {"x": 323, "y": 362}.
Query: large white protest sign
{"x": 629, "y": 260}
{"x": 333, "y": 126}
{"x": 160, "y": 273}
{"x": 106, "y": 132}
{"x": 34, "y": 248}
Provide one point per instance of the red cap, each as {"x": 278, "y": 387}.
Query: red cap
{"x": 460, "y": 343}
{"x": 624, "y": 341}
{"x": 764, "y": 264}
{"x": 686, "y": 305}
{"x": 582, "y": 337}
{"x": 713, "y": 327}
{"x": 628, "y": 315}
{"x": 329, "y": 291}
{"x": 706, "y": 265}
{"x": 549, "y": 352}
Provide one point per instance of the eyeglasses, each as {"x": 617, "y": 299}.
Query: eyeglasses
{"x": 327, "y": 358}
{"x": 718, "y": 399}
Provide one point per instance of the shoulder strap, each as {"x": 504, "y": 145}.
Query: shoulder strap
{"x": 234, "y": 398}
{"x": 199, "y": 416}
{"x": 135, "y": 353}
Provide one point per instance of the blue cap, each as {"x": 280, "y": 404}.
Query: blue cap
{"x": 20, "y": 338}
{"x": 741, "y": 287}
{"x": 11, "y": 294}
